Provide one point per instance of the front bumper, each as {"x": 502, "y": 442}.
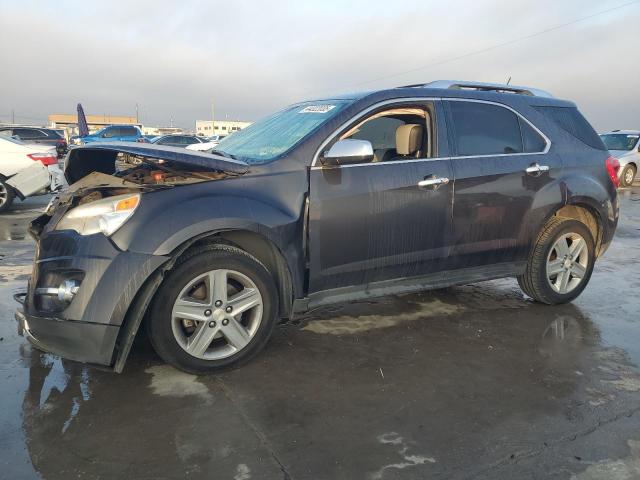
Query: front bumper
{"x": 80, "y": 341}
{"x": 87, "y": 328}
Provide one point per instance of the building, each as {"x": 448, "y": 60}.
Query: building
{"x": 219, "y": 127}
{"x": 161, "y": 130}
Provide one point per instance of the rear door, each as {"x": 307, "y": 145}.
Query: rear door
{"x": 500, "y": 163}
{"x": 372, "y": 221}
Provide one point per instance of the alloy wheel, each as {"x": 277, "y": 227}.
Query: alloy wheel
{"x": 567, "y": 263}
{"x": 4, "y": 194}
{"x": 217, "y": 314}
{"x": 628, "y": 176}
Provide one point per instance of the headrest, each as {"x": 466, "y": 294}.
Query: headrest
{"x": 408, "y": 139}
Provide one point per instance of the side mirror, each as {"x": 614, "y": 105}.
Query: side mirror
{"x": 348, "y": 151}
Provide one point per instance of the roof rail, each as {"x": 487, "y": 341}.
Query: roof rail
{"x": 481, "y": 86}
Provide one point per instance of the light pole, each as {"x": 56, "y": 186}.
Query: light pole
{"x": 213, "y": 120}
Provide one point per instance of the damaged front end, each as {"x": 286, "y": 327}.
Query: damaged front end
{"x": 83, "y": 285}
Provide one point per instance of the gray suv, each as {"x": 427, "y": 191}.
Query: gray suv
{"x": 325, "y": 201}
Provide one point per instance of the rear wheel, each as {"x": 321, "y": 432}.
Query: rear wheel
{"x": 627, "y": 176}
{"x": 6, "y": 195}
{"x": 215, "y": 310}
{"x": 560, "y": 263}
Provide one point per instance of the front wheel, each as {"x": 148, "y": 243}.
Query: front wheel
{"x": 215, "y": 310}
{"x": 560, "y": 263}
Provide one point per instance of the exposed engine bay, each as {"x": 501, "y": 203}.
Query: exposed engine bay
{"x": 100, "y": 172}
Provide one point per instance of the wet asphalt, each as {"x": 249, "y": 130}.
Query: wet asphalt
{"x": 472, "y": 382}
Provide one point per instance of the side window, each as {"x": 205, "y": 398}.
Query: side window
{"x": 484, "y": 129}
{"x": 28, "y": 133}
{"x": 127, "y": 131}
{"x": 381, "y": 132}
{"x": 532, "y": 140}
{"x": 111, "y": 132}
{"x": 395, "y": 134}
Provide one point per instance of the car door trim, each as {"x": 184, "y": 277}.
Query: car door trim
{"x": 329, "y": 139}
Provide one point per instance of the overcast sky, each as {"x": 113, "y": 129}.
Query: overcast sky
{"x": 251, "y": 57}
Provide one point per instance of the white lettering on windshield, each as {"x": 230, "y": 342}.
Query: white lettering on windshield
{"x": 317, "y": 109}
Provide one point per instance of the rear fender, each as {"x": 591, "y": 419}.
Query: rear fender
{"x": 576, "y": 189}
{"x": 32, "y": 179}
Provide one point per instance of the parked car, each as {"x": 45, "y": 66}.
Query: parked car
{"x": 112, "y": 133}
{"x": 625, "y": 146}
{"x": 208, "y": 144}
{"x": 325, "y": 201}
{"x": 37, "y": 136}
{"x": 179, "y": 140}
{"x": 26, "y": 170}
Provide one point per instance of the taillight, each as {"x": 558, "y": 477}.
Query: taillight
{"x": 45, "y": 158}
{"x": 613, "y": 165}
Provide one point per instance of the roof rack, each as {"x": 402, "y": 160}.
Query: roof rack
{"x": 481, "y": 86}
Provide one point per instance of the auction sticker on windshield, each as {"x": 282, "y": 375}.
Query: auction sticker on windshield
{"x": 317, "y": 109}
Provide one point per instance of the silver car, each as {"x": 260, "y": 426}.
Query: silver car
{"x": 625, "y": 146}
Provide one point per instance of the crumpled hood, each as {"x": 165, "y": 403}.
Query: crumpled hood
{"x": 101, "y": 157}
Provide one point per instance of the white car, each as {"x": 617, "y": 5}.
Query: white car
{"x": 26, "y": 170}
{"x": 208, "y": 145}
{"x": 625, "y": 146}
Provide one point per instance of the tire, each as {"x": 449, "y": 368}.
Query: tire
{"x": 7, "y": 195}
{"x": 545, "y": 288}
{"x": 627, "y": 176}
{"x": 190, "y": 323}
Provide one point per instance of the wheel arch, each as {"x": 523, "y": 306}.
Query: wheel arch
{"x": 263, "y": 249}
{"x": 260, "y": 247}
{"x": 578, "y": 196}
{"x": 587, "y": 215}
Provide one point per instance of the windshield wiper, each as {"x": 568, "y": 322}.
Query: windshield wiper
{"x": 221, "y": 153}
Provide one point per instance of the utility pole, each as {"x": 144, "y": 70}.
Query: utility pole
{"x": 137, "y": 118}
{"x": 213, "y": 120}
{"x": 13, "y": 116}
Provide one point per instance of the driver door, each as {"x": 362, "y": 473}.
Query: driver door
{"x": 370, "y": 222}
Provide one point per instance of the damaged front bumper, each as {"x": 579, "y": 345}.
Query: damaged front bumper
{"x": 88, "y": 325}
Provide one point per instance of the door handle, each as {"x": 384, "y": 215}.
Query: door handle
{"x": 433, "y": 182}
{"x": 536, "y": 170}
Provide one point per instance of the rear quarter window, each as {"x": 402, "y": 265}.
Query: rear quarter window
{"x": 571, "y": 120}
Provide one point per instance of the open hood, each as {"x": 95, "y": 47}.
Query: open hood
{"x": 101, "y": 157}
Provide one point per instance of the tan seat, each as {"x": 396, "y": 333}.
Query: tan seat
{"x": 409, "y": 139}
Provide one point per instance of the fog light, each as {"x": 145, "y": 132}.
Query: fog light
{"x": 67, "y": 290}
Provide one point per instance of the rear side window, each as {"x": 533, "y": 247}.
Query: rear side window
{"x": 485, "y": 129}
{"x": 532, "y": 140}
{"x": 572, "y": 121}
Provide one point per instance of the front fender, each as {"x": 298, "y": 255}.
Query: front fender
{"x": 167, "y": 220}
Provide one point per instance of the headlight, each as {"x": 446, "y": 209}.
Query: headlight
{"x": 105, "y": 216}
